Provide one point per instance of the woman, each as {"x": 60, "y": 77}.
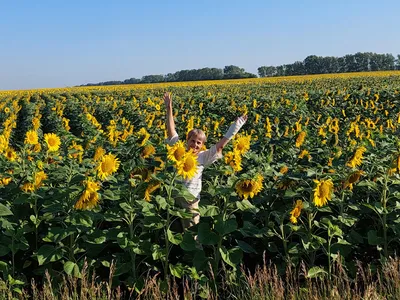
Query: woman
{"x": 195, "y": 141}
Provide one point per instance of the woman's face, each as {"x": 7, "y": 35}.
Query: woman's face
{"x": 195, "y": 143}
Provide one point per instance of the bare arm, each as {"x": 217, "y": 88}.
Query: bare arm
{"x": 169, "y": 115}
{"x": 235, "y": 127}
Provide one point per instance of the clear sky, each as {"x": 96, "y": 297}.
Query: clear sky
{"x": 66, "y": 43}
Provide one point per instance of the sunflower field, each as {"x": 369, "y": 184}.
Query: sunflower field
{"x": 87, "y": 180}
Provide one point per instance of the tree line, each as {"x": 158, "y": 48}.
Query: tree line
{"x": 312, "y": 64}
{"x": 359, "y": 62}
{"x": 228, "y": 72}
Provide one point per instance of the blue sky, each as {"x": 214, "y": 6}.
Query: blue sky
{"x": 66, "y": 43}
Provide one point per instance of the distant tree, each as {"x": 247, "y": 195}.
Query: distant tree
{"x": 312, "y": 64}
{"x": 280, "y": 71}
{"x": 362, "y": 61}
{"x": 131, "y": 81}
{"x": 398, "y": 62}
{"x": 266, "y": 71}
{"x": 298, "y": 68}
{"x": 342, "y": 67}
{"x": 233, "y": 70}
{"x": 329, "y": 64}
{"x": 152, "y": 79}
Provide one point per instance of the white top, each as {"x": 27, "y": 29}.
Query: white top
{"x": 205, "y": 158}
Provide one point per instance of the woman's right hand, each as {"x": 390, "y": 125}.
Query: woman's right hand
{"x": 168, "y": 100}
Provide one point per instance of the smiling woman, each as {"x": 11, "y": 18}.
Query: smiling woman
{"x": 191, "y": 161}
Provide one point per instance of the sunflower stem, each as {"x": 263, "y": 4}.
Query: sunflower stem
{"x": 384, "y": 217}
{"x": 167, "y": 246}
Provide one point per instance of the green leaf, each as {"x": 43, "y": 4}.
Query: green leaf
{"x": 271, "y": 246}
{"x": 347, "y": 220}
{"x": 110, "y": 195}
{"x": 175, "y": 239}
{"x": 122, "y": 240}
{"x": 245, "y": 205}
{"x": 57, "y": 234}
{"x": 182, "y": 191}
{"x": 290, "y": 193}
{"x": 373, "y": 238}
{"x": 69, "y": 267}
{"x": 153, "y": 222}
{"x": 245, "y": 247}
{"x": 356, "y": 237}
{"x": 370, "y": 184}
{"x": 181, "y": 213}
{"x": 232, "y": 256}
{"x": 96, "y": 237}
{"x": 105, "y": 263}
{"x": 225, "y": 227}
{"x": 188, "y": 243}
{"x": 48, "y": 253}
{"x": 200, "y": 261}
{"x": 176, "y": 270}
{"x": 4, "y": 268}
{"x": 315, "y": 272}
{"x": 157, "y": 252}
{"x": 4, "y": 250}
{"x": 209, "y": 211}
{"x": 5, "y": 211}
{"x": 127, "y": 207}
{"x": 82, "y": 219}
{"x": 206, "y": 236}
{"x": 162, "y": 203}
{"x": 250, "y": 230}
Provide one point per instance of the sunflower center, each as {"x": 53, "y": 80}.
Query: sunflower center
{"x": 188, "y": 165}
{"x": 324, "y": 190}
{"x": 107, "y": 166}
{"x": 52, "y": 142}
{"x": 178, "y": 154}
{"x": 247, "y": 187}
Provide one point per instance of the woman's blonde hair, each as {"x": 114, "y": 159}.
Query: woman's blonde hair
{"x": 198, "y": 133}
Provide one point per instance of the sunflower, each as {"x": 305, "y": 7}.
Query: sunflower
{"x": 304, "y": 153}
{"x": 108, "y": 165}
{"x": 28, "y": 187}
{"x": 39, "y": 177}
{"x": 143, "y": 136}
{"x": 323, "y": 192}
{"x": 284, "y": 170}
{"x": 285, "y": 184}
{"x": 187, "y": 166}
{"x": 300, "y": 139}
{"x": 5, "y": 180}
{"x": 98, "y": 154}
{"x": 148, "y": 151}
{"x": 150, "y": 189}
{"x": 242, "y": 144}
{"x": 36, "y": 123}
{"x": 249, "y": 187}
{"x": 77, "y": 151}
{"x": 89, "y": 197}
{"x": 53, "y": 141}
{"x": 234, "y": 159}
{"x": 3, "y": 143}
{"x": 353, "y": 178}
{"x": 160, "y": 164}
{"x": 176, "y": 152}
{"x": 37, "y": 148}
{"x": 356, "y": 160}
{"x": 10, "y": 154}
{"x": 142, "y": 173}
{"x": 31, "y": 137}
{"x": 295, "y": 213}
